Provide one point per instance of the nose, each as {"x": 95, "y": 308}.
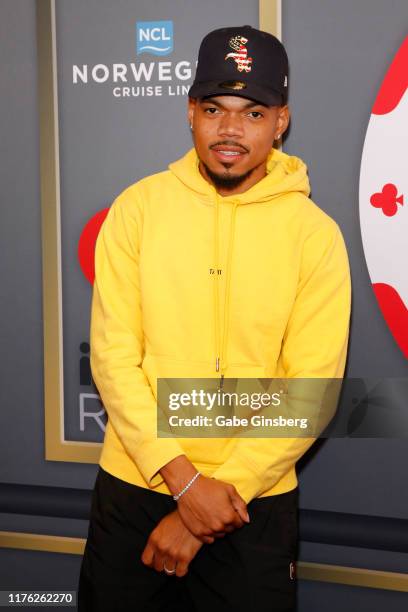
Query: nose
{"x": 230, "y": 125}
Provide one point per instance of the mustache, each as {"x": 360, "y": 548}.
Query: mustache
{"x": 230, "y": 143}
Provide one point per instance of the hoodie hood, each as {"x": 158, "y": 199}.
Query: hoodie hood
{"x": 285, "y": 174}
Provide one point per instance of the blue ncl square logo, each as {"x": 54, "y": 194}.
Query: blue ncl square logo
{"x": 155, "y": 37}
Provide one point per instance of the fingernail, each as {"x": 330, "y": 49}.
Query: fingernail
{"x": 247, "y": 517}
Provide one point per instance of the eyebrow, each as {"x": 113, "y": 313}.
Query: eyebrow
{"x": 249, "y": 104}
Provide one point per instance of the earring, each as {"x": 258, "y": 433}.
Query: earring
{"x": 191, "y": 126}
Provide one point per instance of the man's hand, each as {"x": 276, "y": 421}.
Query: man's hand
{"x": 171, "y": 544}
{"x": 209, "y": 508}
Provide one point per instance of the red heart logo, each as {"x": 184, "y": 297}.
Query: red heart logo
{"x": 387, "y": 199}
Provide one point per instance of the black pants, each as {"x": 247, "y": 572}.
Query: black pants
{"x": 249, "y": 569}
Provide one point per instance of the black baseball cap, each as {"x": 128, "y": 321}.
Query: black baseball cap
{"x": 242, "y": 61}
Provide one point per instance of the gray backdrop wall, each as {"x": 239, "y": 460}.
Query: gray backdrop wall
{"x": 339, "y": 53}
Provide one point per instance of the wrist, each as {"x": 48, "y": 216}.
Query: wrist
{"x": 186, "y": 487}
{"x": 177, "y": 473}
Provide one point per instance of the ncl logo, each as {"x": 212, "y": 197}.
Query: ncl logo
{"x": 155, "y": 37}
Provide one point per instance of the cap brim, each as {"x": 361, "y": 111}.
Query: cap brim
{"x": 239, "y": 88}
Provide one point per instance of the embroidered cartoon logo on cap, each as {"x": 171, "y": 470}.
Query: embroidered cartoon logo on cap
{"x": 240, "y": 56}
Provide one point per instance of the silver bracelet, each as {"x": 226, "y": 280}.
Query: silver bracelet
{"x": 188, "y": 485}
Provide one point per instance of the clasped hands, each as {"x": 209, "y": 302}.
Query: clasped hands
{"x": 208, "y": 510}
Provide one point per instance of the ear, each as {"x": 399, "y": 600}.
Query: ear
{"x": 282, "y": 120}
{"x": 191, "y": 108}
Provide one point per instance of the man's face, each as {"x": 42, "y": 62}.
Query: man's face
{"x": 233, "y": 137}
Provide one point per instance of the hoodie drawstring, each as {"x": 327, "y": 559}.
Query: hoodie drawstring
{"x": 216, "y": 288}
{"x": 221, "y": 348}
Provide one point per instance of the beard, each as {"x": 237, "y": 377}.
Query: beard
{"x": 225, "y": 180}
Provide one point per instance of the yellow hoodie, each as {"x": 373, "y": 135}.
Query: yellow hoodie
{"x": 279, "y": 305}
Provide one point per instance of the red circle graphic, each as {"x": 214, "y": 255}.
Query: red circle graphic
{"x": 87, "y": 242}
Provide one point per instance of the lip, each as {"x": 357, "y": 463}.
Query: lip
{"x": 227, "y": 153}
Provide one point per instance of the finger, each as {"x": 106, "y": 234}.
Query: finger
{"x": 236, "y": 522}
{"x": 148, "y": 555}
{"x": 240, "y": 506}
{"x": 181, "y": 569}
{"x": 158, "y": 562}
{"x": 206, "y": 539}
{"x": 170, "y": 564}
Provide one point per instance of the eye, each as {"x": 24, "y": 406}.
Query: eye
{"x": 255, "y": 114}
{"x": 211, "y": 110}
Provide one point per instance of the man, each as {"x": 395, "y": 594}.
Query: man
{"x": 220, "y": 267}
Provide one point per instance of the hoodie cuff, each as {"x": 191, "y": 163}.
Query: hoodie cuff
{"x": 238, "y": 472}
{"x": 154, "y": 455}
